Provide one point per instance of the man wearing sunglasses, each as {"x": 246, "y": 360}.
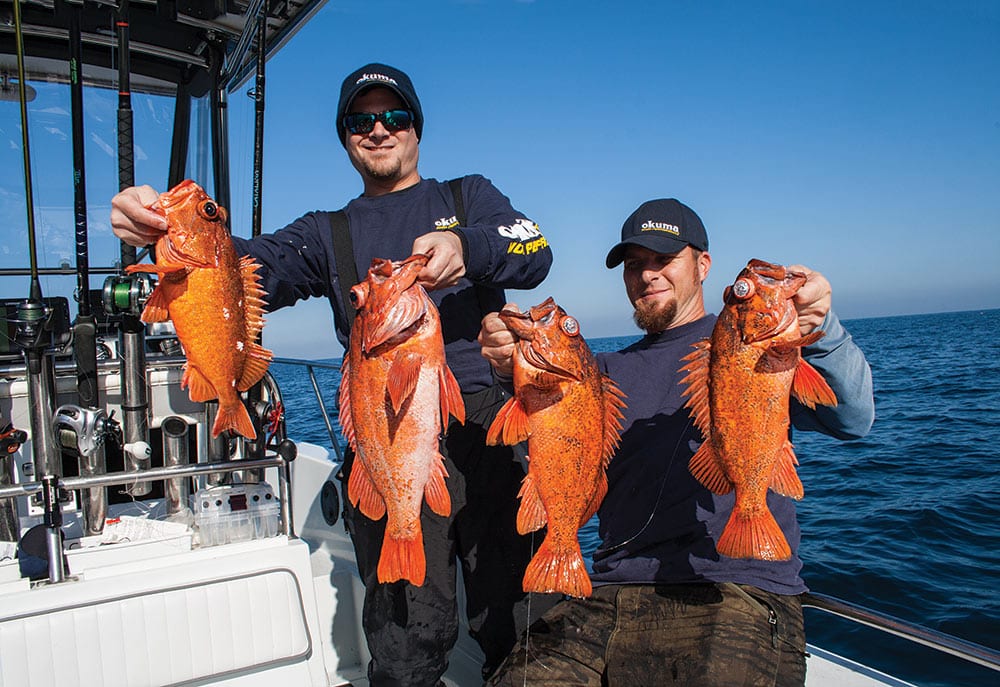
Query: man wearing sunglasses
{"x": 478, "y": 245}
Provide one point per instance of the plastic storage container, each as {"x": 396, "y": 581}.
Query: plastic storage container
{"x": 236, "y": 512}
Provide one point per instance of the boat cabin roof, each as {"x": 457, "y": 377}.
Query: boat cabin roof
{"x": 170, "y": 42}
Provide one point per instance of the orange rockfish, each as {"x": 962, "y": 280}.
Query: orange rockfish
{"x": 739, "y": 383}
{"x": 396, "y": 394}
{"x": 215, "y": 301}
{"x": 570, "y": 414}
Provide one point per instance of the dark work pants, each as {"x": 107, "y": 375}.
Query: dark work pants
{"x": 700, "y": 635}
{"x": 410, "y": 630}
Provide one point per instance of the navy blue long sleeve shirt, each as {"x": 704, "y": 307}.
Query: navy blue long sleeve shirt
{"x": 503, "y": 249}
{"x": 658, "y": 524}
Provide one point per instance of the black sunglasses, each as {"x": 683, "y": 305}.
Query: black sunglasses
{"x": 364, "y": 122}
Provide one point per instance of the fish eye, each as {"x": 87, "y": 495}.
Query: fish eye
{"x": 357, "y": 296}
{"x": 743, "y": 289}
{"x": 208, "y": 210}
{"x": 570, "y": 326}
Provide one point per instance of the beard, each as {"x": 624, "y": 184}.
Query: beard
{"x": 383, "y": 170}
{"x": 652, "y": 318}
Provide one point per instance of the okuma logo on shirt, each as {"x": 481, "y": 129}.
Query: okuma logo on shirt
{"x": 521, "y": 230}
{"x": 446, "y": 222}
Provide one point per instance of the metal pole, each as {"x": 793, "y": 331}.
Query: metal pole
{"x": 175, "y": 452}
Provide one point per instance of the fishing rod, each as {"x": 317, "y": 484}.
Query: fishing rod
{"x": 85, "y": 326}
{"x": 34, "y": 336}
{"x": 130, "y": 292}
{"x": 254, "y": 395}
{"x": 83, "y": 428}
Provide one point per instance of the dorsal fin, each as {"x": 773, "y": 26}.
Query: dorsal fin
{"x": 344, "y": 403}
{"x": 614, "y": 403}
{"x": 697, "y": 385}
{"x": 253, "y": 297}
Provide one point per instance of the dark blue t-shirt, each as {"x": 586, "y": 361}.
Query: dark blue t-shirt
{"x": 658, "y": 524}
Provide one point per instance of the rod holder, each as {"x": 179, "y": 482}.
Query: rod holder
{"x": 175, "y": 452}
{"x": 53, "y": 528}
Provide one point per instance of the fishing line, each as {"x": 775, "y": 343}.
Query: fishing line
{"x": 659, "y": 496}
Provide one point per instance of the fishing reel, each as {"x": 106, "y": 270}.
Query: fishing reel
{"x": 84, "y": 430}
{"x": 126, "y": 294}
{"x": 36, "y": 324}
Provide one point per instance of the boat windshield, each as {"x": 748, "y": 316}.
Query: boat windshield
{"x": 53, "y": 172}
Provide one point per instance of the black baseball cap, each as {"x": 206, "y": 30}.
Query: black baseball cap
{"x": 664, "y": 225}
{"x": 383, "y": 75}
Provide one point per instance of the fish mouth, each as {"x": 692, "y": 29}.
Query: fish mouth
{"x": 518, "y": 322}
{"x": 537, "y": 360}
{"x": 400, "y": 311}
{"x": 172, "y": 254}
{"x": 787, "y": 283}
{"x": 787, "y": 317}
{"x": 531, "y": 346}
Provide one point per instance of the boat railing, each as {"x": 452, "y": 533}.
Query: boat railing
{"x": 51, "y": 486}
{"x": 945, "y": 643}
{"x": 111, "y": 479}
{"x": 311, "y": 366}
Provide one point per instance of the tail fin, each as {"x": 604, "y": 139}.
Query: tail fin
{"x": 402, "y": 559}
{"x": 236, "y": 418}
{"x": 754, "y": 535}
{"x": 553, "y": 570}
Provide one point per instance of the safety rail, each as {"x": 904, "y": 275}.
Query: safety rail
{"x": 110, "y": 479}
{"x": 945, "y": 643}
{"x": 50, "y": 485}
{"x": 310, "y": 365}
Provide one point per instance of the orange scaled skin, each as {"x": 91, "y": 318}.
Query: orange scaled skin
{"x": 215, "y": 301}
{"x": 739, "y": 387}
{"x": 570, "y": 415}
{"x": 396, "y": 395}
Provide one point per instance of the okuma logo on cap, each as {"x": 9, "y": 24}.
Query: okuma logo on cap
{"x": 376, "y": 77}
{"x": 650, "y": 225}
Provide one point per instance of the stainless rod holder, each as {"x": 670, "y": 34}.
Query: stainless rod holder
{"x": 177, "y": 491}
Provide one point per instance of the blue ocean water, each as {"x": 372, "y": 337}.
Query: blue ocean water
{"x": 904, "y": 521}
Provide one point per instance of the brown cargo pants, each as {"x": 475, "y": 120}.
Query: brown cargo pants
{"x": 704, "y": 635}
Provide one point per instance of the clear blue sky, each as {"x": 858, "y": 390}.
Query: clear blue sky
{"x": 859, "y": 138}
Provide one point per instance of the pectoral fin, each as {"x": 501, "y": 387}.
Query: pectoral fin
{"x": 510, "y": 425}
{"x": 810, "y": 388}
{"x": 402, "y": 379}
